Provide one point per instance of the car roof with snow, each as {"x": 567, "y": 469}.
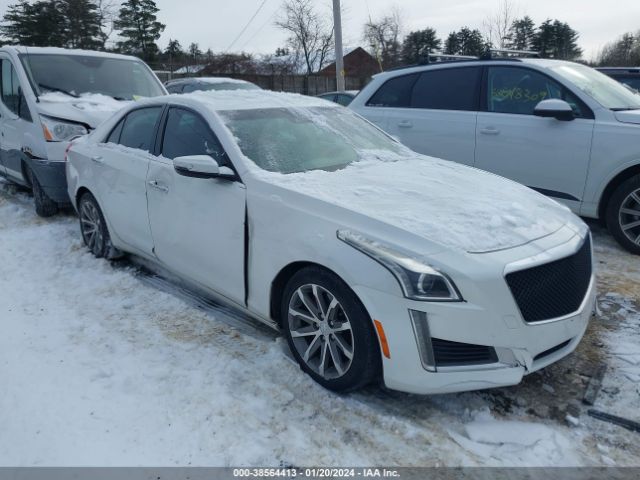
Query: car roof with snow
{"x": 243, "y": 100}
{"x": 21, "y": 49}
{"x": 207, "y": 80}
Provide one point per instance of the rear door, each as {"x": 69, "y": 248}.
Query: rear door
{"x": 121, "y": 167}
{"x": 197, "y": 224}
{"x": 546, "y": 154}
{"x": 437, "y": 116}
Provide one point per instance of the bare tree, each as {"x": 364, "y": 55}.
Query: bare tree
{"x": 497, "y": 26}
{"x": 384, "y": 36}
{"x": 311, "y": 33}
{"x": 107, "y": 12}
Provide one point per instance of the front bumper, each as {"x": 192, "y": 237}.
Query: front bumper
{"x": 488, "y": 318}
{"x": 52, "y": 178}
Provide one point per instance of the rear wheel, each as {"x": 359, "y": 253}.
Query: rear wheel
{"x": 45, "y": 207}
{"x": 94, "y": 228}
{"x": 623, "y": 214}
{"x": 329, "y": 331}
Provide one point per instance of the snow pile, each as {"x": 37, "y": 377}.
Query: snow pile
{"x": 94, "y": 102}
{"x": 448, "y": 203}
{"x": 508, "y": 443}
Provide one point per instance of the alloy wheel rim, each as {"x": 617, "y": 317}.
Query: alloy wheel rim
{"x": 91, "y": 227}
{"x": 629, "y": 217}
{"x": 321, "y": 331}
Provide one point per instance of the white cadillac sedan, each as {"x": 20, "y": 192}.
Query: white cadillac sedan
{"x": 374, "y": 261}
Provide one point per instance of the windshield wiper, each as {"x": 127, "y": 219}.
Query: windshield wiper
{"x": 55, "y": 89}
{"x": 624, "y": 109}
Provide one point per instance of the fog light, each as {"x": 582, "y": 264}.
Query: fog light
{"x": 423, "y": 339}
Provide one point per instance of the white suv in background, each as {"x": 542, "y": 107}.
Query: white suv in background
{"x": 561, "y": 128}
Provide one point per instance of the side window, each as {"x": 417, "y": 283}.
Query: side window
{"x": 186, "y": 133}
{"x": 343, "y": 100}
{"x": 139, "y": 128}
{"x": 191, "y": 87}
{"x": 519, "y": 90}
{"x": 11, "y": 92}
{"x": 448, "y": 89}
{"x": 114, "y": 137}
{"x": 395, "y": 92}
{"x": 174, "y": 88}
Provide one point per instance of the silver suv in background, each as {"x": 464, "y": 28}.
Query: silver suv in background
{"x": 52, "y": 95}
{"x": 563, "y": 129}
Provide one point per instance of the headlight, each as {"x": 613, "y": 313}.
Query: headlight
{"x": 60, "y": 131}
{"x": 418, "y": 280}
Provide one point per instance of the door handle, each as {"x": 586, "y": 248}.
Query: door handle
{"x": 158, "y": 186}
{"x": 97, "y": 159}
{"x": 489, "y": 131}
{"x": 405, "y": 124}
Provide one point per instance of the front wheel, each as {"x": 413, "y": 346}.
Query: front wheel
{"x": 623, "y": 215}
{"x": 329, "y": 331}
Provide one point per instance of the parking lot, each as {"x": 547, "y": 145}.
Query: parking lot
{"x": 107, "y": 364}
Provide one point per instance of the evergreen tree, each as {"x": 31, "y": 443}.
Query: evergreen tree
{"x": 556, "y": 39}
{"x": 466, "y": 42}
{"x": 451, "y": 44}
{"x": 623, "y": 52}
{"x": 139, "y": 28}
{"x": 82, "y": 26}
{"x": 417, "y": 46}
{"x": 522, "y": 34}
{"x": 57, "y": 23}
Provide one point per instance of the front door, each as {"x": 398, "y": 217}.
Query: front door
{"x": 198, "y": 225}
{"x": 546, "y": 154}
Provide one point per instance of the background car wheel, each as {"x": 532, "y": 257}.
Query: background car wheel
{"x": 94, "y": 228}
{"x": 329, "y": 331}
{"x": 623, "y": 214}
{"x": 45, "y": 207}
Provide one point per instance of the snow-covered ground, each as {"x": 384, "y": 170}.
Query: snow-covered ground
{"x": 101, "y": 364}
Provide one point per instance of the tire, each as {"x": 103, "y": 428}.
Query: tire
{"x": 93, "y": 227}
{"x": 335, "y": 330}
{"x": 45, "y": 207}
{"x": 623, "y": 215}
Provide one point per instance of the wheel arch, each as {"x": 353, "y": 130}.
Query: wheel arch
{"x": 613, "y": 184}
{"x": 280, "y": 282}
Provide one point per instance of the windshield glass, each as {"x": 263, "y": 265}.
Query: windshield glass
{"x": 289, "y": 140}
{"x": 633, "y": 82}
{"x": 75, "y": 75}
{"x": 603, "y": 89}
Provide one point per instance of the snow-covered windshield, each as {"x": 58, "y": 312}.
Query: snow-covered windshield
{"x": 74, "y": 75}
{"x": 607, "y": 92}
{"x": 289, "y": 140}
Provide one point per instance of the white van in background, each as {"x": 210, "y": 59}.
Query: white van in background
{"x": 49, "y": 96}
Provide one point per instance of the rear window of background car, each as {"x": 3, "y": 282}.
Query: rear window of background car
{"x": 442, "y": 89}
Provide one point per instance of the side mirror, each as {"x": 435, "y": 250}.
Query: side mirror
{"x": 201, "y": 166}
{"x": 555, "y": 108}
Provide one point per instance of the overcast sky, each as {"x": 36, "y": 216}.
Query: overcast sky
{"x": 216, "y": 23}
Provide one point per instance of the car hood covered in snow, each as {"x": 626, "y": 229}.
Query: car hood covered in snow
{"x": 90, "y": 109}
{"x": 452, "y": 205}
